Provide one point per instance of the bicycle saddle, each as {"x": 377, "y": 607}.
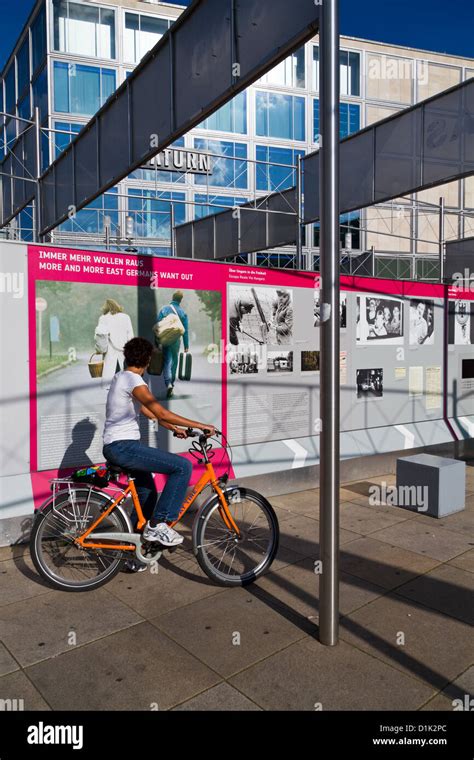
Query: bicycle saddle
{"x": 115, "y": 470}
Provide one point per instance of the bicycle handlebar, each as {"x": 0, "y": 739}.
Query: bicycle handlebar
{"x": 191, "y": 433}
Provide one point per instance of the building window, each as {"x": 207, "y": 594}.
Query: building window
{"x": 281, "y": 116}
{"x": 23, "y": 66}
{"x": 349, "y": 223}
{"x": 84, "y": 30}
{"x": 349, "y": 71}
{"x": 349, "y": 118}
{"x": 40, "y": 94}
{"x": 24, "y": 111}
{"x": 288, "y": 73}
{"x": 206, "y": 205}
{"x": 349, "y": 114}
{"x": 62, "y": 138}
{"x": 228, "y": 163}
{"x": 141, "y": 34}
{"x": 10, "y": 94}
{"x": 2, "y": 123}
{"x": 38, "y": 38}
{"x": 25, "y": 224}
{"x": 232, "y": 117}
{"x": 81, "y": 89}
{"x": 44, "y": 147}
{"x": 270, "y": 177}
{"x": 151, "y": 212}
{"x": 10, "y": 132}
{"x": 91, "y": 218}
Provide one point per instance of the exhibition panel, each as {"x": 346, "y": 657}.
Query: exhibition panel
{"x": 406, "y": 366}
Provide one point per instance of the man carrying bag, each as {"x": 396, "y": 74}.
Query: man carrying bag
{"x": 170, "y": 327}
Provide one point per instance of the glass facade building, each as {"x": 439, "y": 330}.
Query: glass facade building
{"x": 72, "y": 55}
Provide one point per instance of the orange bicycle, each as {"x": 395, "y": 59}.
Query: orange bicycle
{"x": 82, "y": 536}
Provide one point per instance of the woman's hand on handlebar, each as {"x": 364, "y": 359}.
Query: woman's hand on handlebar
{"x": 209, "y": 430}
{"x": 180, "y": 432}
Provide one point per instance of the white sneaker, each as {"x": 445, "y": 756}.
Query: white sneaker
{"x": 162, "y": 533}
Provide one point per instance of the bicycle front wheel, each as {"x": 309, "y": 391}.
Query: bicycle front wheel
{"x": 231, "y": 560}
{"x": 61, "y": 562}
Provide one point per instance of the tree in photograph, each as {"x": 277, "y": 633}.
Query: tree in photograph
{"x": 211, "y": 305}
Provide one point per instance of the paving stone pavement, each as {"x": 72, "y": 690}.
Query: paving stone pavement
{"x": 172, "y": 640}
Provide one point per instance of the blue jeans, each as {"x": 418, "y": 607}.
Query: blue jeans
{"x": 140, "y": 461}
{"x": 170, "y": 362}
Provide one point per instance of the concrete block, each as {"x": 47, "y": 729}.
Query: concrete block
{"x": 439, "y": 481}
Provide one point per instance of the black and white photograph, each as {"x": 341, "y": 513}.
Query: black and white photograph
{"x": 467, "y": 376}
{"x": 460, "y": 323}
{"x": 468, "y": 369}
{"x": 247, "y": 361}
{"x": 379, "y": 320}
{"x": 310, "y": 361}
{"x": 369, "y": 383}
{"x": 260, "y": 315}
{"x": 280, "y": 361}
{"x": 342, "y": 310}
{"x": 421, "y": 322}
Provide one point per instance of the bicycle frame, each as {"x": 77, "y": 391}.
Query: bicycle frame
{"x": 208, "y": 478}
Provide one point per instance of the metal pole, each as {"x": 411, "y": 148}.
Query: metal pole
{"x": 299, "y": 193}
{"x": 442, "y": 204}
{"x": 38, "y": 173}
{"x": 330, "y": 298}
{"x": 373, "y": 260}
{"x": 173, "y": 231}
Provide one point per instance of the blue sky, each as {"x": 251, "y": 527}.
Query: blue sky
{"x": 429, "y": 24}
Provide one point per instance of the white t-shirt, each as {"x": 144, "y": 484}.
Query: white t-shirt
{"x": 122, "y": 410}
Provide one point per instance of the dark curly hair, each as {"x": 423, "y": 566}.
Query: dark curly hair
{"x": 138, "y": 352}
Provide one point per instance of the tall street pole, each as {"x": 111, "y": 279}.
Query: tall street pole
{"x": 330, "y": 297}
{"x": 442, "y": 212}
{"x": 38, "y": 220}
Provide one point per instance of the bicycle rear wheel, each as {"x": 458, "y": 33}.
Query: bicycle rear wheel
{"x": 230, "y": 560}
{"x": 56, "y": 557}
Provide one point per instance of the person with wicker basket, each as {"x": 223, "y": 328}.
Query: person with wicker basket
{"x": 113, "y": 331}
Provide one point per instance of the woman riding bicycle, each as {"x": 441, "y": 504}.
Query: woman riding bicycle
{"x": 128, "y": 396}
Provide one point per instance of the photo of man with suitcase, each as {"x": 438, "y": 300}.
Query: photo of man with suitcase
{"x": 171, "y": 326}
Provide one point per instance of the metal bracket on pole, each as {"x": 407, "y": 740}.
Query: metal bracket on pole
{"x": 330, "y": 297}
{"x": 325, "y": 313}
